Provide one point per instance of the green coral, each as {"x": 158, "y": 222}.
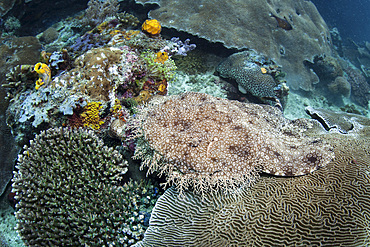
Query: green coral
{"x": 194, "y": 63}
{"x": 70, "y": 193}
{"x": 156, "y": 70}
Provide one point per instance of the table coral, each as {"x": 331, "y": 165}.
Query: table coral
{"x": 249, "y": 25}
{"x": 202, "y": 141}
{"x": 339, "y": 122}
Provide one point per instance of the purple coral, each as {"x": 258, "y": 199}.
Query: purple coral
{"x": 86, "y": 42}
{"x": 182, "y": 48}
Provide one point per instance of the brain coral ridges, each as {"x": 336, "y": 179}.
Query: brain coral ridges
{"x": 200, "y": 141}
{"x": 329, "y": 207}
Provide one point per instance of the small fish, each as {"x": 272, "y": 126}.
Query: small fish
{"x": 283, "y": 23}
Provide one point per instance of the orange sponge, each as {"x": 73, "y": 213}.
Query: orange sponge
{"x": 152, "y": 27}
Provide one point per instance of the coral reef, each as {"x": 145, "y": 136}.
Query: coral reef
{"x": 253, "y": 73}
{"x": 99, "y": 72}
{"x": 11, "y": 24}
{"x": 360, "y": 88}
{"x": 340, "y": 86}
{"x": 18, "y": 79}
{"x": 158, "y": 69}
{"x": 16, "y": 51}
{"x": 138, "y": 40}
{"x": 90, "y": 115}
{"x": 337, "y": 121}
{"x": 110, "y": 73}
{"x": 202, "y": 83}
{"x": 98, "y": 10}
{"x": 327, "y": 68}
{"x": 59, "y": 60}
{"x": 113, "y": 72}
{"x": 34, "y": 107}
{"x": 249, "y": 25}
{"x": 49, "y": 35}
{"x": 193, "y": 63}
{"x": 127, "y": 20}
{"x": 182, "y": 48}
{"x": 86, "y": 42}
{"x": 202, "y": 141}
{"x": 324, "y": 208}
{"x": 70, "y": 193}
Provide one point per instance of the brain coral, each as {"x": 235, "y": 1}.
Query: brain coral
{"x": 329, "y": 207}
{"x": 67, "y": 191}
{"x": 247, "y": 75}
{"x": 247, "y": 24}
{"x": 200, "y": 140}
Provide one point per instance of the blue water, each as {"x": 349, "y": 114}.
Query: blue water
{"x": 351, "y": 17}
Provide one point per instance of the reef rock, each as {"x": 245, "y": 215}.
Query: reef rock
{"x": 329, "y": 207}
{"x": 14, "y": 51}
{"x": 8, "y": 154}
{"x": 248, "y": 24}
{"x": 5, "y": 6}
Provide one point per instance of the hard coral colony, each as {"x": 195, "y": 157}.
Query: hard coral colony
{"x": 91, "y": 116}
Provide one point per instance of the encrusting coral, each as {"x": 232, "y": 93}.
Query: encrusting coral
{"x": 70, "y": 192}
{"x": 202, "y": 141}
{"x": 90, "y": 115}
